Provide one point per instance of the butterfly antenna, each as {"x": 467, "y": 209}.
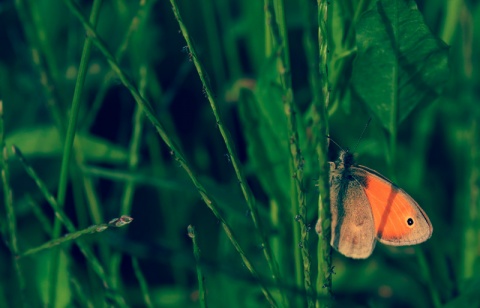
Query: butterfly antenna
{"x": 330, "y": 138}
{"x": 361, "y": 135}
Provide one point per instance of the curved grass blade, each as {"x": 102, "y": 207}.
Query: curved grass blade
{"x": 174, "y": 148}
{"x": 114, "y": 223}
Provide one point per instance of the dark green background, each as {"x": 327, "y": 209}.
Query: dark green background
{"x": 429, "y": 147}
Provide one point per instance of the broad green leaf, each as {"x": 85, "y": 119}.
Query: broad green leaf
{"x": 400, "y": 64}
{"x": 45, "y": 141}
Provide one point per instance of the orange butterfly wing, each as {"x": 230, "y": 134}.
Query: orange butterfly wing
{"x": 399, "y": 220}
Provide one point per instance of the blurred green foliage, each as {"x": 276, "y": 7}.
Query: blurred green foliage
{"x": 414, "y": 71}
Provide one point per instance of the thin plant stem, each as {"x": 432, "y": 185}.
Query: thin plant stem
{"x": 246, "y": 191}
{"x": 273, "y": 43}
{"x": 297, "y": 162}
{"x": 137, "y": 20}
{"x": 80, "y": 294}
{"x": 41, "y": 34}
{"x": 319, "y": 132}
{"x": 201, "y": 279}
{"x": 11, "y": 217}
{"x": 72, "y": 124}
{"x": 133, "y": 158}
{"x": 230, "y": 49}
{"x": 46, "y": 80}
{"x": 143, "y": 283}
{"x": 68, "y": 147}
{"x": 320, "y": 129}
{"x": 214, "y": 44}
{"x": 468, "y": 212}
{"x": 174, "y": 149}
{"x": 61, "y": 216}
{"x": 117, "y": 222}
{"x": 41, "y": 217}
{"x": 134, "y": 147}
{"x": 422, "y": 261}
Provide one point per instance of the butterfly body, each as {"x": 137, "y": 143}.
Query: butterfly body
{"x": 367, "y": 207}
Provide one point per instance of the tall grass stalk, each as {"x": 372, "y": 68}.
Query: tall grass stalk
{"x": 200, "y": 277}
{"x": 10, "y": 211}
{"x": 67, "y": 150}
{"x": 320, "y": 129}
{"x": 273, "y": 41}
{"x": 117, "y": 222}
{"x": 143, "y": 283}
{"x": 62, "y": 217}
{"x": 82, "y": 297}
{"x": 297, "y": 162}
{"x": 246, "y": 191}
{"x": 137, "y": 20}
{"x": 422, "y": 261}
{"x": 174, "y": 149}
{"x": 41, "y": 217}
{"x": 133, "y": 159}
{"x": 46, "y": 78}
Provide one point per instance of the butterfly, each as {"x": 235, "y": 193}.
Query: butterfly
{"x": 367, "y": 207}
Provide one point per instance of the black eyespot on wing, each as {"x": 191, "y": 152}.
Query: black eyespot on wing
{"x": 410, "y": 222}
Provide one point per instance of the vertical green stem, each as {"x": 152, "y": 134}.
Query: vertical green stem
{"x": 133, "y": 159}
{"x": 214, "y": 44}
{"x": 46, "y": 80}
{"x": 143, "y": 283}
{"x": 298, "y": 198}
{"x": 320, "y": 128}
{"x": 174, "y": 149}
{"x": 201, "y": 279}
{"x": 65, "y": 220}
{"x": 68, "y": 146}
{"x": 246, "y": 191}
{"x": 10, "y": 211}
{"x": 422, "y": 261}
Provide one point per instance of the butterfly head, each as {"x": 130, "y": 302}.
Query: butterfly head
{"x": 345, "y": 160}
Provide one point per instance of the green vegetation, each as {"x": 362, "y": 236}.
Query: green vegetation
{"x": 207, "y": 122}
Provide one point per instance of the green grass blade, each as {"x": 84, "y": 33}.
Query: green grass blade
{"x": 68, "y": 147}
{"x": 298, "y": 182}
{"x": 46, "y": 79}
{"x": 200, "y": 278}
{"x": 41, "y": 217}
{"x": 142, "y": 282}
{"x": 11, "y": 217}
{"x": 129, "y": 190}
{"x": 247, "y": 193}
{"x": 321, "y": 131}
{"x": 60, "y": 214}
{"x": 81, "y": 296}
{"x": 117, "y": 222}
{"x": 175, "y": 150}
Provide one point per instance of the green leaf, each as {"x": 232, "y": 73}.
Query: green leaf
{"x": 45, "y": 141}
{"x": 400, "y": 64}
